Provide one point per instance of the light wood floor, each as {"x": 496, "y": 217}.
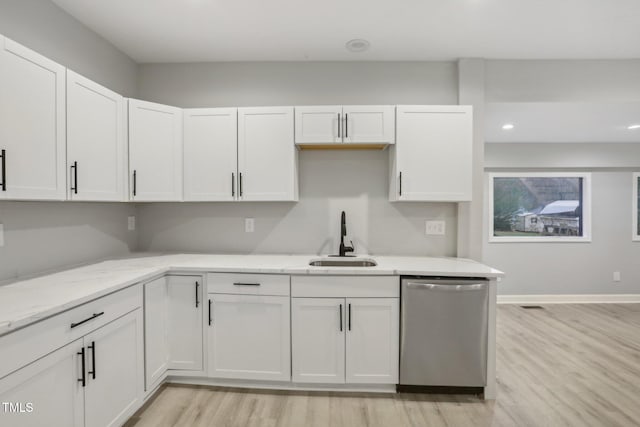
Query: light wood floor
{"x": 566, "y": 365}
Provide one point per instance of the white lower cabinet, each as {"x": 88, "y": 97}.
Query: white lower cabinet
{"x": 156, "y": 344}
{"x": 249, "y": 337}
{"x": 185, "y": 322}
{"x": 46, "y": 392}
{"x": 93, "y": 381}
{"x": 318, "y": 341}
{"x": 372, "y": 349}
{"x": 345, "y": 329}
{"x": 114, "y": 357}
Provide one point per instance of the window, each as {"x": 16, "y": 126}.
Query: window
{"x": 540, "y": 207}
{"x": 636, "y": 206}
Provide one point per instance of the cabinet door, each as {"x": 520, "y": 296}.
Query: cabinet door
{"x": 318, "y": 341}
{"x": 249, "y": 337}
{"x": 114, "y": 369}
{"x": 321, "y": 124}
{"x": 373, "y": 124}
{"x": 155, "y": 151}
{"x": 95, "y": 141}
{"x": 46, "y": 392}
{"x": 32, "y": 125}
{"x": 185, "y": 322}
{"x": 156, "y": 345}
{"x": 373, "y": 330}
{"x": 267, "y": 158}
{"x": 432, "y": 158}
{"x": 210, "y": 154}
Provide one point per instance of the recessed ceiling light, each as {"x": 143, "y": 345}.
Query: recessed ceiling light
{"x": 507, "y": 126}
{"x": 357, "y": 45}
{"x": 632, "y": 127}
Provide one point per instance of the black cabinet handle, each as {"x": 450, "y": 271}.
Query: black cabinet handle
{"x": 73, "y": 325}
{"x": 349, "y": 316}
{"x": 240, "y": 185}
{"x": 340, "y": 317}
{"x": 339, "y": 125}
{"x": 400, "y": 190}
{"x": 3, "y": 184}
{"x": 233, "y": 184}
{"x": 83, "y": 380}
{"x": 197, "y": 300}
{"x": 93, "y": 359}
{"x": 346, "y": 125}
{"x": 246, "y": 284}
{"x": 135, "y": 182}
{"x": 74, "y": 187}
{"x": 209, "y": 312}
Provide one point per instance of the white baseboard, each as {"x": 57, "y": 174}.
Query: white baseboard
{"x": 570, "y": 299}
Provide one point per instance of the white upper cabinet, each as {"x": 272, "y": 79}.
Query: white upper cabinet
{"x": 369, "y": 124}
{"x": 210, "y": 154}
{"x": 95, "y": 141}
{"x": 365, "y": 124}
{"x": 432, "y": 157}
{"x": 32, "y": 125}
{"x": 316, "y": 125}
{"x": 155, "y": 152}
{"x": 267, "y": 158}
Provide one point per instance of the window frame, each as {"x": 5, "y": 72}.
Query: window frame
{"x": 634, "y": 208}
{"x": 586, "y": 208}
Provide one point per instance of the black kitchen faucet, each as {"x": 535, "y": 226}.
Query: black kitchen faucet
{"x": 343, "y": 232}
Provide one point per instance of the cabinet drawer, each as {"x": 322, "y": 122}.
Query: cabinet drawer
{"x": 248, "y": 284}
{"x": 32, "y": 342}
{"x": 345, "y": 286}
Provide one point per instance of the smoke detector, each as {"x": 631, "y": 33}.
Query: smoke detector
{"x": 357, "y": 45}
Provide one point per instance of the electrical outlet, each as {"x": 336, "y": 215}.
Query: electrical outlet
{"x": 616, "y": 276}
{"x": 249, "y": 225}
{"x": 131, "y": 223}
{"x": 1, "y": 235}
{"x": 434, "y": 228}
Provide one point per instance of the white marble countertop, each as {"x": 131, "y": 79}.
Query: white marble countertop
{"x": 27, "y": 301}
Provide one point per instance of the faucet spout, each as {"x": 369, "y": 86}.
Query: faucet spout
{"x": 343, "y": 232}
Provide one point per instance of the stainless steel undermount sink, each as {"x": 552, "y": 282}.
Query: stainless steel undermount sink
{"x": 343, "y": 263}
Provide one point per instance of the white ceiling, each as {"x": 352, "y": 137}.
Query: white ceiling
{"x": 562, "y": 122}
{"x": 293, "y": 30}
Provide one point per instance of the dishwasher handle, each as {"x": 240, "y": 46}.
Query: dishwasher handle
{"x": 446, "y": 288}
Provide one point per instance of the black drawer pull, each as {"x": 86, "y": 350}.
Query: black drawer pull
{"x": 3, "y": 166}
{"x": 93, "y": 359}
{"x": 210, "y": 313}
{"x": 197, "y": 300}
{"x": 82, "y": 380}
{"x": 246, "y": 284}
{"x": 73, "y": 325}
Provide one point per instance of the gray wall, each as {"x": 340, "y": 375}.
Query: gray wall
{"x": 572, "y": 268}
{"x": 330, "y": 181}
{"x": 241, "y": 84}
{"x": 40, "y": 236}
{"x": 44, "y": 27}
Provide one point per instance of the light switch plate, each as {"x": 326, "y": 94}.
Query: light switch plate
{"x": 616, "y": 276}
{"x": 249, "y": 225}
{"x": 1, "y": 235}
{"x": 131, "y": 223}
{"x": 434, "y": 228}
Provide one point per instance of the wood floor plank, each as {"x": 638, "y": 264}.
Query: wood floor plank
{"x": 565, "y": 365}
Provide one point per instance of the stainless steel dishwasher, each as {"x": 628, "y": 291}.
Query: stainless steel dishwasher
{"x": 443, "y": 332}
